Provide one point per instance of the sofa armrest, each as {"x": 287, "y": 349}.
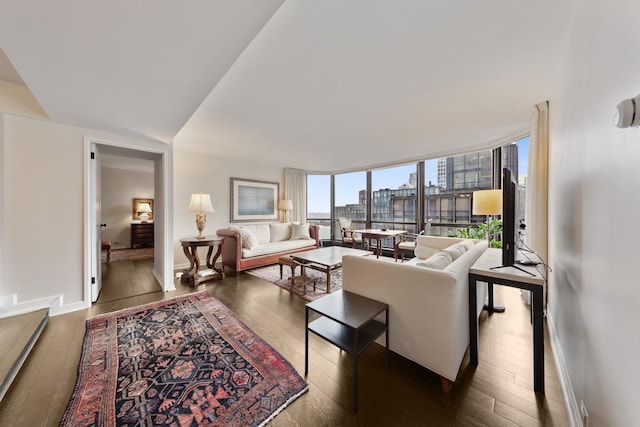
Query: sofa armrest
{"x": 314, "y": 232}
{"x": 231, "y": 248}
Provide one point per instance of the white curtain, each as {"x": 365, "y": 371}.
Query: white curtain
{"x": 537, "y": 182}
{"x": 295, "y": 189}
{"x": 536, "y": 215}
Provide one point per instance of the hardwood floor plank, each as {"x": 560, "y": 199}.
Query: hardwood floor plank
{"x": 498, "y": 392}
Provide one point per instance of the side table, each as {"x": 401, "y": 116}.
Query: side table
{"x": 347, "y": 320}
{"x": 193, "y": 275}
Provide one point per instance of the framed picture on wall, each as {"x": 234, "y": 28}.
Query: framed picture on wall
{"x": 253, "y": 200}
{"x": 139, "y": 207}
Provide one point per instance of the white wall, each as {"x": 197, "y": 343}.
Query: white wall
{"x": 119, "y": 188}
{"x": 201, "y": 173}
{"x": 594, "y": 210}
{"x": 42, "y": 212}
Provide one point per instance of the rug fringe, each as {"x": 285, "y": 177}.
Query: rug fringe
{"x": 283, "y": 406}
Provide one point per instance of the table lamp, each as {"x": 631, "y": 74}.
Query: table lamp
{"x": 200, "y": 203}
{"x": 144, "y": 209}
{"x": 285, "y": 205}
{"x": 487, "y": 202}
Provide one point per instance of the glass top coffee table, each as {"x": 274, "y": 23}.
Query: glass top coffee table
{"x": 326, "y": 260}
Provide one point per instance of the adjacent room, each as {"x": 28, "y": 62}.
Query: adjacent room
{"x": 319, "y": 213}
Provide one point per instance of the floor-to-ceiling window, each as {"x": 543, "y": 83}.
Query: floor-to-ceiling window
{"x": 393, "y": 198}
{"x": 350, "y": 199}
{"x": 319, "y": 203}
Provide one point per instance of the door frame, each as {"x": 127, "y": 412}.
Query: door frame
{"x": 163, "y": 213}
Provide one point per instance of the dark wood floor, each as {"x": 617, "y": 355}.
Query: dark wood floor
{"x": 499, "y": 392}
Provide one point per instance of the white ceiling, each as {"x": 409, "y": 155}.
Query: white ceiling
{"x": 319, "y": 85}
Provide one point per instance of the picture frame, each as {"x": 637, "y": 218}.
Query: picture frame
{"x": 253, "y": 200}
{"x": 137, "y": 202}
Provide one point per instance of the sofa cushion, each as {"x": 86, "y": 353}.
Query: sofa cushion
{"x": 275, "y": 247}
{"x": 437, "y": 261}
{"x": 249, "y": 240}
{"x": 300, "y": 231}
{"x": 280, "y": 232}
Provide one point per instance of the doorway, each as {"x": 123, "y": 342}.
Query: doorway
{"x": 127, "y": 227}
{"x": 157, "y": 158}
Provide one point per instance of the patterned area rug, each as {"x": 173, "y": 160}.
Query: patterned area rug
{"x": 302, "y": 288}
{"x": 128, "y": 254}
{"x": 187, "y": 361}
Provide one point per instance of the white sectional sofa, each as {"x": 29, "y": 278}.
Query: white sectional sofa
{"x": 254, "y": 245}
{"x": 428, "y": 299}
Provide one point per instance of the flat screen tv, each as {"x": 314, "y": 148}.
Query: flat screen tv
{"x": 510, "y": 220}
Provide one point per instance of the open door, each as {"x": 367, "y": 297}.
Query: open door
{"x": 96, "y": 255}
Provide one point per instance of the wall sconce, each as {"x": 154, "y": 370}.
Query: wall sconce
{"x": 285, "y": 205}
{"x": 200, "y": 203}
{"x": 144, "y": 209}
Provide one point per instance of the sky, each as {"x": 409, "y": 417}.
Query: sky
{"x": 348, "y": 185}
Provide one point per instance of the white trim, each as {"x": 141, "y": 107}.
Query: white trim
{"x": 158, "y": 277}
{"x": 7, "y": 301}
{"x": 30, "y": 306}
{"x": 569, "y": 397}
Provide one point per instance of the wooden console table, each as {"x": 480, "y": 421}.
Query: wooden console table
{"x": 484, "y": 270}
{"x": 193, "y": 275}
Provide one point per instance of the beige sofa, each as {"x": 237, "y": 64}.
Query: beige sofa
{"x": 428, "y": 300}
{"x": 255, "y": 245}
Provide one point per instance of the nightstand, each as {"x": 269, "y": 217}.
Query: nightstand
{"x": 141, "y": 235}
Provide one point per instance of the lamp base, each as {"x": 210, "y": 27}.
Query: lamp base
{"x": 201, "y": 220}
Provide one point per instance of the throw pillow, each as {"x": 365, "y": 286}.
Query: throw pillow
{"x": 468, "y": 244}
{"x": 455, "y": 251}
{"x": 249, "y": 240}
{"x": 280, "y": 232}
{"x": 437, "y": 261}
{"x": 300, "y": 232}
{"x": 423, "y": 252}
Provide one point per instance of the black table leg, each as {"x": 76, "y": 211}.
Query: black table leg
{"x": 473, "y": 321}
{"x": 538, "y": 341}
{"x": 355, "y": 372}
{"x": 306, "y": 341}
{"x": 387, "y": 337}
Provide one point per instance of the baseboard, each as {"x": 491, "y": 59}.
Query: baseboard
{"x": 23, "y": 307}
{"x": 570, "y": 401}
{"x": 170, "y": 287}
{"x": 6, "y": 302}
{"x": 58, "y": 307}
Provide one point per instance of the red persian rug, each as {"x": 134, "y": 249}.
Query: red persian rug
{"x": 187, "y": 361}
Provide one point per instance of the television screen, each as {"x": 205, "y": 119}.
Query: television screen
{"x": 510, "y": 198}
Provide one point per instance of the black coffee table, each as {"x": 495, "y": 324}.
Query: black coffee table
{"x": 347, "y": 320}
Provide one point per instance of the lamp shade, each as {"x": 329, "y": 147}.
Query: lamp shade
{"x": 487, "y": 202}
{"x": 285, "y": 205}
{"x": 200, "y": 203}
{"x": 144, "y": 208}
